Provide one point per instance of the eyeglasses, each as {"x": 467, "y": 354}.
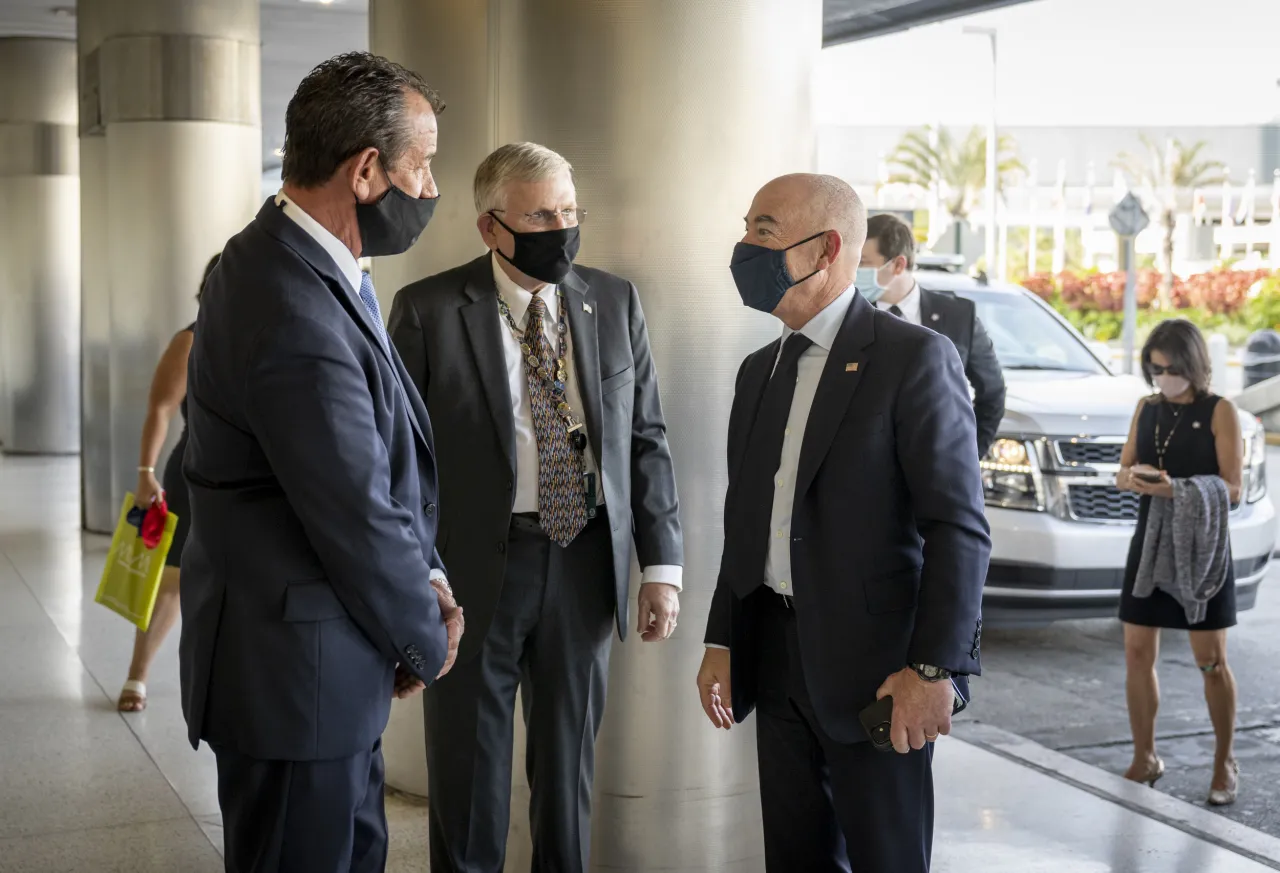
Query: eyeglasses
{"x": 1157, "y": 370}
{"x": 548, "y": 218}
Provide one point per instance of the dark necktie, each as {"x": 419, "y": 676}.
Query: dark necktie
{"x": 895, "y": 310}
{"x": 764, "y": 454}
{"x": 562, "y": 500}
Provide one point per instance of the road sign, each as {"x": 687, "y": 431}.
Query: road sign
{"x": 1128, "y": 218}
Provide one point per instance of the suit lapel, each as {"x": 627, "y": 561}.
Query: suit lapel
{"x": 480, "y": 315}
{"x": 584, "y": 334}
{"x": 743, "y": 417}
{"x": 835, "y": 389}
{"x": 288, "y": 232}
{"x": 932, "y": 315}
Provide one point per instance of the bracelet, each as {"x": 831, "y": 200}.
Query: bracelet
{"x": 146, "y": 469}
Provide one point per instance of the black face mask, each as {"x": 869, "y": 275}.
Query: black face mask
{"x": 392, "y": 223}
{"x": 545, "y": 255}
{"x": 761, "y": 273}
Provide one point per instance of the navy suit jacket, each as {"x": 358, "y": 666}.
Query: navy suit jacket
{"x": 305, "y": 579}
{"x": 889, "y": 541}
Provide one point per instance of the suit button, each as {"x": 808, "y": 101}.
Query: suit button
{"x": 502, "y": 547}
{"x": 429, "y": 509}
{"x": 974, "y": 653}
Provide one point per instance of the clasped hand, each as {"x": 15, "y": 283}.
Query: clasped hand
{"x": 407, "y": 684}
{"x": 1162, "y": 488}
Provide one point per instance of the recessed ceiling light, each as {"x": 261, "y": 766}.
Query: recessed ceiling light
{"x": 320, "y": 2}
{"x": 63, "y": 11}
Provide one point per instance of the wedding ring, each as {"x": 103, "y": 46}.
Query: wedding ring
{"x": 930, "y": 737}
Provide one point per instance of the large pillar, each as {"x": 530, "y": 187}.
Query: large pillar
{"x": 673, "y": 113}
{"x": 170, "y": 126}
{"x": 39, "y": 248}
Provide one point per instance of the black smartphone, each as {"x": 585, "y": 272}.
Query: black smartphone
{"x": 877, "y": 719}
{"x": 1146, "y": 477}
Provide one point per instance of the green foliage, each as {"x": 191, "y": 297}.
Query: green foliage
{"x": 930, "y": 156}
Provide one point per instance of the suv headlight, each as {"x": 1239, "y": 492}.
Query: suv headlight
{"x": 1011, "y": 476}
{"x": 1255, "y": 464}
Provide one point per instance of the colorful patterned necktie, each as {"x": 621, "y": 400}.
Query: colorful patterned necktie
{"x": 370, "y": 301}
{"x": 562, "y": 500}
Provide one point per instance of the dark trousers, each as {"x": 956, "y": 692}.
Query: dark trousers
{"x": 830, "y": 806}
{"x": 550, "y": 637}
{"x": 303, "y": 816}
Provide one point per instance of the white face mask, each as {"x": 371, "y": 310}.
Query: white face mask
{"x": 1171, "y": 386}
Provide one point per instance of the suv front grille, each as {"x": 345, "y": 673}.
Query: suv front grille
{"x": 1090, "y": 453}
{"x": 1102, "y": 503}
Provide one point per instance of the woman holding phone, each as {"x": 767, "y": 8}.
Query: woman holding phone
{"x": 1182, "y": 431}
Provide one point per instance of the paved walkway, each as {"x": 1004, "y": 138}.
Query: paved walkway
{"x": 83, "y": 788}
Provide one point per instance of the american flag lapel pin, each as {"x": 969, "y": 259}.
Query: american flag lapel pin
{"x": 851, "y": 368}
{"x": 586, "y": 307}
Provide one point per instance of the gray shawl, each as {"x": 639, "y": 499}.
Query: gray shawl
{"x": 1187, "y": 549}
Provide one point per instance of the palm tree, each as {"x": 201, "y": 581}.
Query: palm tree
{"x": 933, "y": 159}
{"x": 1163, "y": 172}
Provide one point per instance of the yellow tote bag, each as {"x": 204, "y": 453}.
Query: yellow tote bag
{"x": 131, "y": 579}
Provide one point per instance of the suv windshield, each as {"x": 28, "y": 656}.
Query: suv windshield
{"x": 1027, "y": 336}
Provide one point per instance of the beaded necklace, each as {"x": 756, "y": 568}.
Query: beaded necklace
{"x": 556, "y": 381}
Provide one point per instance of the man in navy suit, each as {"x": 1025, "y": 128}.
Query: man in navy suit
{"x": 855, "y": 545}
{"x": 312, "y": 590}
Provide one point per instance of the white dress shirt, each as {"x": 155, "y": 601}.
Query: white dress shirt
{"x": 526, "y": 444}
{"x": 909, "y": 305}
{"x": 822, "y": 329}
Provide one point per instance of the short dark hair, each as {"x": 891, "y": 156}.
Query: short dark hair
{"x": 1182, "y": 343}
{"x": 208, "y": 271}
{"x": 347, "y": 104}
{"x": 893, "y": 237}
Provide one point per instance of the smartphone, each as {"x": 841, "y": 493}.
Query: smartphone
{"x": 877, "y": 719}
{"x": 1146, "y": 476}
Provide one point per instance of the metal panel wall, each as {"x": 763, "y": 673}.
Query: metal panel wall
{"x": 170, "y": 123}
{"x": 673, "y": 114}
{"x": 39, "y": 248}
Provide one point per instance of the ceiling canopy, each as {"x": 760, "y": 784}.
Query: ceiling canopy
{"x": 848, "y": 20}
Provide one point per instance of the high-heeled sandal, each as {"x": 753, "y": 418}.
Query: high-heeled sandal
{"x": 1226, "y": 796}
{"x": 1155, "y": 770}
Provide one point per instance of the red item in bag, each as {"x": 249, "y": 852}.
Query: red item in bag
{"x": 153, "y": 524}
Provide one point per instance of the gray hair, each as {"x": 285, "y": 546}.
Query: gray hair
{"x": 345, "y": 105}
{"x": 515, "y": 162}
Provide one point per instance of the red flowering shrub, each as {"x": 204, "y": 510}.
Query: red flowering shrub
{"x": 1043, "y": 285}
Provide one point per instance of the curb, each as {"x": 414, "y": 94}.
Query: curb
{"x": 1194, "y": 820}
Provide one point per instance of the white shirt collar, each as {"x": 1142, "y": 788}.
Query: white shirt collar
{"x": 909, "y": 305}
{"x": 334, "y": 247}
{"x": 517, "y": 298}
{"x": 824, "y": 326}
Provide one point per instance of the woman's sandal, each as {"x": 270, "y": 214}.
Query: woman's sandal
{"x": 133, "y": 696}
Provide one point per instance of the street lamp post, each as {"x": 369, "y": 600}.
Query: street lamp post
{"x": 992, "y": 269}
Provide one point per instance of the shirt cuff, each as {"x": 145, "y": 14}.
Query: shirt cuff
{"x": 668, "y": 574}
{"x": 437, "y": 573}
{"x": 716, "y": 646}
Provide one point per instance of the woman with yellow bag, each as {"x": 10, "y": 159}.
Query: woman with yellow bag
{"x": 168, "y": 395}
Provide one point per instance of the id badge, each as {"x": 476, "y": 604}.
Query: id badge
{"x": 590, "y": 481}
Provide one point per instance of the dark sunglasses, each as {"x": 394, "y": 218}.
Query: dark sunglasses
{"x": 1157, "y": 370}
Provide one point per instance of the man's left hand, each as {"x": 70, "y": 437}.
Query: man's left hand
{"x": 407, "y": 684}
{"x": 656, "y": 609}
{"x": 921, "y": 709}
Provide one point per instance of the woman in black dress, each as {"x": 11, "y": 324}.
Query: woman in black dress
{"x": 168, "y": 395}
{"x": 1181, "y": 431}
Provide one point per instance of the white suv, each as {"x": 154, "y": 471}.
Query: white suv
{"x": 1060, "y": 529}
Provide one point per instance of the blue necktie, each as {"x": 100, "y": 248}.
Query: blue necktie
{"x": 370, "y": 301}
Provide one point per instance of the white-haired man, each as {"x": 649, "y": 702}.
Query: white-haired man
{"x": 553, "y": 456}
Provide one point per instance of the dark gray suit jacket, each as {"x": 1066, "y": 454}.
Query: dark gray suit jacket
{"x": 448, "y": 331}
{"x": 889, "y": 539}
{"x": 957, "y": 319}
{"x": 313, "y": 498}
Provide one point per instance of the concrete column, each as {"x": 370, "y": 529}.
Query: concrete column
{"x": 39, "y": 248}
{"x": 170, "y": 126}
{"x": 673, "y": 113}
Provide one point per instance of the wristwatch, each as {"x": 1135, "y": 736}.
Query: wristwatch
{"x": 929, "y": 673}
